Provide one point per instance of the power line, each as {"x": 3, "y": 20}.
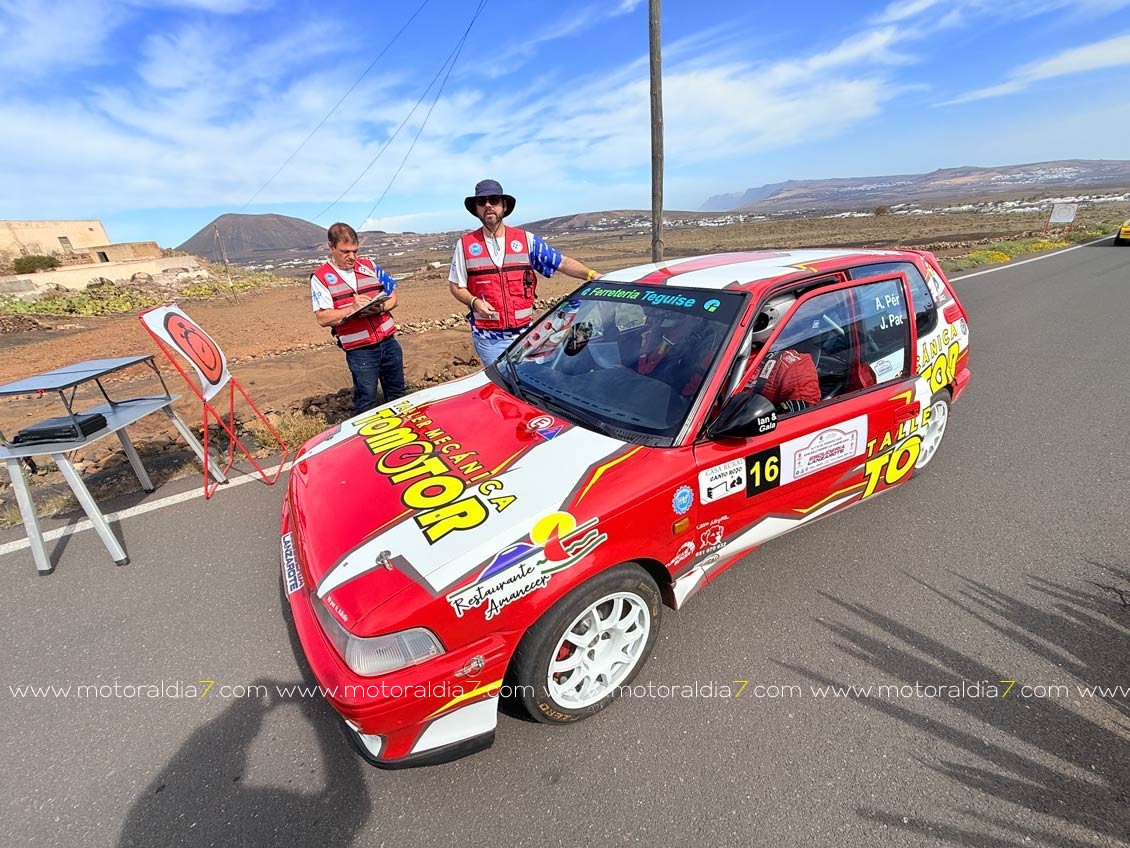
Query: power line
{"x": 458, "y": 50}
{"x": 449, "y": 64}
{"x": 322, "y": 122}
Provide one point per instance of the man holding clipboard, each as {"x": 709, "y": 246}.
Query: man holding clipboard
{"x": 355, "y": 297}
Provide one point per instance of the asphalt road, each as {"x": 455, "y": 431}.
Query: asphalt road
{"x": 1001, "y": 563}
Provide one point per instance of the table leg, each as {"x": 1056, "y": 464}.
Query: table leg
{"x": 134, "y": 460}
{"x": 31, "y": 520}
{"x": 82, "y": 494}
{"x": 197, "y": 449}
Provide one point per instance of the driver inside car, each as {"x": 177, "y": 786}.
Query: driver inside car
{"x": 788, "y": 378}
{"x": 676, "y": 351}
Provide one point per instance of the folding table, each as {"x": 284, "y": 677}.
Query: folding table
{"x": 118, "y": 413}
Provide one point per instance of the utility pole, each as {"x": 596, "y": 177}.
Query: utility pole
{"x": 656, "y": 133}
{"x": 224, "y": 254}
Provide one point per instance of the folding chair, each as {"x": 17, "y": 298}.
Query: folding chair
{"x": 173, "y": 330}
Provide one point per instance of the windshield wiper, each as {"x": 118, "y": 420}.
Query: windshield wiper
{"x": 584, "y": 419}
{"x": 515, "y": 382}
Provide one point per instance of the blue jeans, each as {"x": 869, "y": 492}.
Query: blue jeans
{"x": 383, "y": 361}
{"x": 488, "y": 348}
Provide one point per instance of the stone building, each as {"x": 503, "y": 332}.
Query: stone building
{"x": 71, "y": 242}
{"x": 85, "y": 255}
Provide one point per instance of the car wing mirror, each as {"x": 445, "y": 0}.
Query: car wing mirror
{"x": 745, "y": 414}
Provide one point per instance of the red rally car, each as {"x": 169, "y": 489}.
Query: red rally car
{"x": 517, "y": 532}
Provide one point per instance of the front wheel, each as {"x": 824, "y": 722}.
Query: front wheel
{"x": 574, "y": 660}
{"x": 934, "y": 429}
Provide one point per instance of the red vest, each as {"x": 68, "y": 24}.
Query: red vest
{"x": 357, "y": 332}
{"x": 510, "y": 289}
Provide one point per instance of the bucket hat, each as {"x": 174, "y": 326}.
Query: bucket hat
{"x": 489, "y": 188}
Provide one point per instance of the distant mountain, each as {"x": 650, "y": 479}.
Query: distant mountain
{"x": 612, "y": 219}
{"x": 966, "y": 183}
{"x": 249, "y": 237}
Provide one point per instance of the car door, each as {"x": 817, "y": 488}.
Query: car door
{"x": 817, "y": 460}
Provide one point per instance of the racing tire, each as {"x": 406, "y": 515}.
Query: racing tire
{"x": 933, "y": 432}
{"x": 1118, "y": 240}
{"x": 575, "y": 658}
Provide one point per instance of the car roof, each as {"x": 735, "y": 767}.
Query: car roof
{"x": 753, "y": 271}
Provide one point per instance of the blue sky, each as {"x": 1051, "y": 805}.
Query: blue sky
{"x": 156, "y": 116}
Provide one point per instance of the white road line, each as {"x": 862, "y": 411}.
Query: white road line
{"x": 140, "y": 509}
{"x": 1026, "y": 261}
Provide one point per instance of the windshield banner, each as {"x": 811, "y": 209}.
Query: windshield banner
{"x": 711, "y": 304}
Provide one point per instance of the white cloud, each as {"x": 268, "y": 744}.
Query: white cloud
{"x": 956, "y": 11}
{"x": 210, "y": 131}
{"x": 36, "y": 43}
{"x": 1110, "y": 53}
{"x": 39, "y": 40}
{"x": 221, "y": 7}
{"x": 169, "y": 132}
{"x": 571, "y": 23}
{"x": 904, "y": 9}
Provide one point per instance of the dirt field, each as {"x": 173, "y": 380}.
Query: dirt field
{"x": 287, "y": 363}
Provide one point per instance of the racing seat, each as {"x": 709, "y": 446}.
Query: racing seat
{"x": 861, "y": 376}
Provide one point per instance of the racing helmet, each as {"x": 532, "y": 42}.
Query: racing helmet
{"x": 770, "y": 316}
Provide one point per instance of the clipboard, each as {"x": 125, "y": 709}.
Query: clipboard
{"x": 370, "y": 309}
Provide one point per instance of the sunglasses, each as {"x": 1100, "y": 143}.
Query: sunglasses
{"x": 493, "y": 200}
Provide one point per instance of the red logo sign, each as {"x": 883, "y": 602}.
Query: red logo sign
{"x": 196, "y": 345}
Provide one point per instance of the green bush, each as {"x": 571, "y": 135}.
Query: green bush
{"x": 108, "y": 301}
{"x": 33, "y": 263}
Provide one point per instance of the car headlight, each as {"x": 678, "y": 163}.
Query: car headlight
{"x": 378, "y": 654}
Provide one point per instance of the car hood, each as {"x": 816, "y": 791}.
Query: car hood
{"x": 429, "y": 489}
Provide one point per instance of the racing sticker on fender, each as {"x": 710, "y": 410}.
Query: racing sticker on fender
{"x": 292, "y": 574}
{"x": 554, "y": 544}
{"x": 683, "y": 500}
{"x": 823, "y": 449}
{"x": 720, "y": 481}
{"x": 686, "y": 550}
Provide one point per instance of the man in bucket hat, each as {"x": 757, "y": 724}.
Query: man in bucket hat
{"x": 492, "y": 271}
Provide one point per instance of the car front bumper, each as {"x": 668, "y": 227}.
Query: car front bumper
{"x": 432, "y": 712}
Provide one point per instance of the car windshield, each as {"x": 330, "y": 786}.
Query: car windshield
{"x": 623, "y": 359}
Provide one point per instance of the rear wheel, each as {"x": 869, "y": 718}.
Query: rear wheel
{"x": 935, "y": 429}
{"x": 573, "y": 661}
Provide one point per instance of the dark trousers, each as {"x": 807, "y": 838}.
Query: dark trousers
{"x": 383, "y": 361}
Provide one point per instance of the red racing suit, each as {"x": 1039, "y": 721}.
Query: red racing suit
{"x": 510, "y": 289}
{"x": 357, "y": 332}
{"x": 789, "y": 375}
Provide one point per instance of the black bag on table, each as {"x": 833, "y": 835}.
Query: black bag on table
{"x": 61, "y": 429}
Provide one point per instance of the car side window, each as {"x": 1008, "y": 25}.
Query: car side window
{"x": 835, "y": 344}
{"x": 884, "y": 330}
{"x": 809, "y": 360}
{"x": 925, "y": 307}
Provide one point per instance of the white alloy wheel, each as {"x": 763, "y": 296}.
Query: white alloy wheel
{"x": 599, "y": 650}
{"x": 932, "y": 435}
